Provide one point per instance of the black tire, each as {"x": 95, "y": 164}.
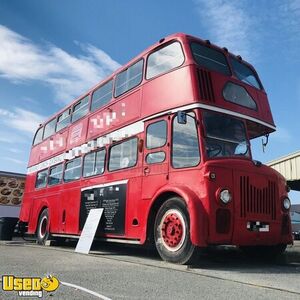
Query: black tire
{"x": 264, "y": 252}
{"x": 172, "y": 233}
{"x": 42, "y": 231}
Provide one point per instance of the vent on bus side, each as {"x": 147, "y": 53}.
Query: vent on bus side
{"x": 205, "y": 85}
{"x": 255, "y": 200}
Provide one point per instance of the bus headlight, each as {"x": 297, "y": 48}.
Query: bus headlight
{"x": 225, "y": 196}
{"x": 286, "y": 203}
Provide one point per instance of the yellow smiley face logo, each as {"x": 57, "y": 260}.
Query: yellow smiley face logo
{"x": 50, "y": 283}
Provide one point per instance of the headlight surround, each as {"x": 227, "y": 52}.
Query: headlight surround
{"x": 225, "y": 196}
{"x": 286, "y": 203}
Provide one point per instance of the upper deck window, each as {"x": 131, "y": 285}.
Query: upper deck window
{"x": 80, "y": 109}
{"x": 49, "y": 128}
{"x": 129, "y": 78}
{"x": 210, "y": 58}
{"x": 102, "y": 95}
{"x": 63, "y": 120}
{"x": 38, "y": 136}
{"x": 244, "y": 73}
{"x": 164, "y": 60}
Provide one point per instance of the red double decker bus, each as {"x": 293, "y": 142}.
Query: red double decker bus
{"x": 163, "y": 145}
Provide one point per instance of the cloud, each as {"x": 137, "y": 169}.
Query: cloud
{"x": 21, "y": 119}
{"x": 228, "y": 24}
{"x": 69, "y": 76}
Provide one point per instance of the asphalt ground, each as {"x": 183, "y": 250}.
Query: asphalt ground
{"x": 114, "y": 271}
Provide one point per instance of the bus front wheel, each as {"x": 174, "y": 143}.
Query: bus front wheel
{"x": 172, "y": 233}
{"x": 43, "y": 227}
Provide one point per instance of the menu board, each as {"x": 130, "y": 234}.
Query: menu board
{"x": 11, "y": 190}
{"x": 112, "y": 199}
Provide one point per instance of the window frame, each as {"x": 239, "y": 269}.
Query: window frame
{"x": 104, "y": 165}
{"x": 46, "y": 182}
{"x": 166, "y": 137}
{"x": 198, "y": 139}
{"x": 237, "y": 103}
{"x": 33, "y": 142}
{"x": 112, "y": 80}
{"x": 54, "y": 119}
{"x": 159, "y": 48}
{"x": 69, "y": 116}
{"x": 125, "y": 70}
{"x": 213, "y": 49}
{"x": 65, "y": 169}
{"x": 158, "y": 162}
{"x": 62, "y": 173}
{"x": 74, "y": 105}
{"x": 119, "y": 143}
{"x": 246, "y": 65}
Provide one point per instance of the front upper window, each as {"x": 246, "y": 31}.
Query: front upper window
{"x": 210, "y": 58}
{"x": 244, "y": 73}
{"x": 224, "y": 135}
{"x": 164, "y": 60}
{"x": 38, "y": 136}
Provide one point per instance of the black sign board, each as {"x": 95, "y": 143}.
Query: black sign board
{"x": 113, "y": 199}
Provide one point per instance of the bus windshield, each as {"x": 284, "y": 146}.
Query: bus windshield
{"x": 225, "y": 136}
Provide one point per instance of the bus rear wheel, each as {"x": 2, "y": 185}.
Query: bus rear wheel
{"x": 43, "y": 227}
{"x": 172, "y": 233}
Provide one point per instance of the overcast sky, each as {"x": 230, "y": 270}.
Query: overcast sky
{"x": 52, "y": 51}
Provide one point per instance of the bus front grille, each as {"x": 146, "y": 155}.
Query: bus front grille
{"x": 257, "y": 201}
{"x": 205, "y": 85}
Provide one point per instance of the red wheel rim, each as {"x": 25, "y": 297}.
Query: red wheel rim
{"x": 172, "y": 230}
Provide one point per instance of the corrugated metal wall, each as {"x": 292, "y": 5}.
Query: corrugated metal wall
{"x": 288, "y": 166}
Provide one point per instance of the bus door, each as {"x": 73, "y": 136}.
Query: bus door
{"x": 156, "y": 156}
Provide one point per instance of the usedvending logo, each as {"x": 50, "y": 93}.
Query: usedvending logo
{"x": 29, "y": 286}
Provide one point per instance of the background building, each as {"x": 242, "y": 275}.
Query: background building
{"x": 289, "y": 167}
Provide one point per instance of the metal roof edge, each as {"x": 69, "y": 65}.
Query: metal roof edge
{"x": 283, "y": 158}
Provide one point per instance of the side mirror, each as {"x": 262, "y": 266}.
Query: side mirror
{"x": 181, "y": 117}
{"x": 265, "y": 143}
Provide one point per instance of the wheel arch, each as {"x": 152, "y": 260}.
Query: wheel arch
{"x": 197, "y": 214}
{"x": 43, "y": 207}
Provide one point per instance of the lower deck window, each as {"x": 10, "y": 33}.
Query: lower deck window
{"x": 94, "y": 163}
{"x": 73, "y": 170}
{"x": 123, "y": 155}
{"x": 41, "y": 179}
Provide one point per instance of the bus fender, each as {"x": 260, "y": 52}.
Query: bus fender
{"x": 197, "y": 213}
{"x": 37, "y": 212}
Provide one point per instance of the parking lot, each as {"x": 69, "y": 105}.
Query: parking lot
{"x": 114, "y": 271}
